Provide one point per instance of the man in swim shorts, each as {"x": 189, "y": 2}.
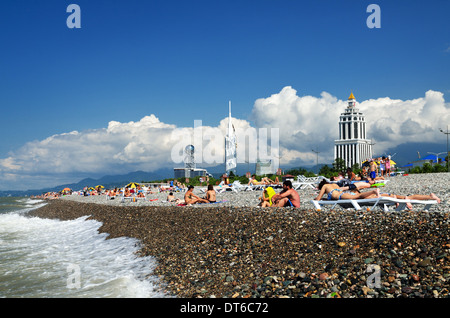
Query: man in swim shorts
{"x": 287, "y": 197}
{"x": 372, "y": 169}
{"x": 191, "y": 198}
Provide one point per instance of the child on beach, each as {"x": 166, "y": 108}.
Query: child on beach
{"x": 387, "y": 165}
{"x": 266, "y": 199}
{"x": 373, "y": 169}
{"x": 382, "y": 165}
{"x": 171, "y": 198}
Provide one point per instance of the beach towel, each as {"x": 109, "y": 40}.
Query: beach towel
{"x": 184, "y": 204}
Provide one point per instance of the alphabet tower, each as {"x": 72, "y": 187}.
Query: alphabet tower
{"x": 352, "y": 145}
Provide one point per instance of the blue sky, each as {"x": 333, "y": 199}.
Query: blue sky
{"x": 183, "y": 60}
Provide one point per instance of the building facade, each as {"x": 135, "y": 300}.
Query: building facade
{"x": 264, "y": 167}
{"x": 189, "y": 173}
{"x": 190, "y": 170}
{"x": 352, "y": 146}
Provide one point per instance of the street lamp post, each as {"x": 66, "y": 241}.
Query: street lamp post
{"x": 447, "y": 133}
{"x": 317, "y": 160}
{"x": 436, "y": 154}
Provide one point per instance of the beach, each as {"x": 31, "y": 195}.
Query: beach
{"x": 235, "y": 249}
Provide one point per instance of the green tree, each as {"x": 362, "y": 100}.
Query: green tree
{"x": 300, "y": 172}
{"x": 439, "y": 168}
{"x": 339, "y": 165}
{"x": 427, "y": 168}
{"x": 416, "y": 169}
{"x": 326, "y": 171}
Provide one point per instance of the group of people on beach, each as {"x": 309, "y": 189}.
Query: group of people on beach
{"x": 334, "y": 191}
{"x": 384, "y": 163}
{"x": 191, "y": 198}
{"x": 349, "y": 188}
{"x": 338, "y": 188}
{"x": 344, "y": 186}
{"x": 288, "y": 197}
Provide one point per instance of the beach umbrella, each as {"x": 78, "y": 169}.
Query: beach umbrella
{"x": 67, "y": 189}
{"x": 365, "y": 163}
{"x": 99, "y": 186}
{"x": 132, "y": 185}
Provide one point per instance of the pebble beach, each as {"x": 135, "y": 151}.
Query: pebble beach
{"x": 235, "y": 249}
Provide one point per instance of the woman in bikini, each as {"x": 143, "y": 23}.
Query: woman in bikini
{"x": 211, "y": 194}
{"x": 422, "y": 197}
{"x": 335, "y": 192}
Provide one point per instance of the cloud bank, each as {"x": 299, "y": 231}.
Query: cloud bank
{"x": 304, "y": 123}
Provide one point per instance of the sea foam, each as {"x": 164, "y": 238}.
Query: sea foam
{"x": 52, "y": 258}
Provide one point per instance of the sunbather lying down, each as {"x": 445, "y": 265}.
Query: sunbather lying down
{"x": 335, "y": 192}
{"x": 422, "y": 197}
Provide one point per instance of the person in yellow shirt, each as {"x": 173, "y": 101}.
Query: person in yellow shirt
{"x": 266, "y": 199}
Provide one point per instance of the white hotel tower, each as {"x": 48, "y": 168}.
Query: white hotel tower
{"x": 352, "y": 146}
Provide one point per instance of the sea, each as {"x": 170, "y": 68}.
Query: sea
{"x": 43, "y": 258}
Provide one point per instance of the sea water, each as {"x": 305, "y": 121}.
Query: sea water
{"x": 53, "y": 258}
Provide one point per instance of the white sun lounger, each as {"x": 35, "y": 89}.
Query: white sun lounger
{"x": 132, "y": 198}
{"x": 216, "y": 189}
{"x": 382, "y": 202}
{"x": 303, "y": 182}
{"x": 298, "y": 185}
{"x": 237, "y": 186}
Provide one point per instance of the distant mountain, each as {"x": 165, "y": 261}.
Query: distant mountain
{"x": 408, "y": 152}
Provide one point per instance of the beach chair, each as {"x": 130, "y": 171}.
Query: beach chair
{"x": 303, "y": 182}
{"x": 237, "y": 186}
{"x": 217, "y": 189}
{"x": 257, "y": 187}
{"x": 132, "y": 198}
{"x": 382, "y": 203}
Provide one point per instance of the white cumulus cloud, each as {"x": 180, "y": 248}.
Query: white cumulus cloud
{"x": 304, "y": 123}
{"x": 308, "y": 123}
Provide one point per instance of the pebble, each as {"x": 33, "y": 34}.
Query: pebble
{"x": 284, "y": 252}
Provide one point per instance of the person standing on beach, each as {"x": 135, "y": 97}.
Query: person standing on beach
{"x": 382, "y": 165}
{"x": 191, "y": 198}
{"x": 387, "y": 165}
{"x": 372, "y": 169}
{"x": 287, "y": 197}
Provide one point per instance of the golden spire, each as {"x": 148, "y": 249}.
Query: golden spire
{"x": 351, "y": 96}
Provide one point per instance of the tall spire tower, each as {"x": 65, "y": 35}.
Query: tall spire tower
{"x": 230, "y": 145}
{"x": 352, "y": 146}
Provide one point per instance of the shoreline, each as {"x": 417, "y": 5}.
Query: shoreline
{"x": 248, "y": 252}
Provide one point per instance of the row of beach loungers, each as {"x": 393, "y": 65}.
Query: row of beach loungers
{"x": 302, "y": 182}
